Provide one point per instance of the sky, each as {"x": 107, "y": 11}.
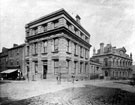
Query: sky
{"x": 108, "y": 21}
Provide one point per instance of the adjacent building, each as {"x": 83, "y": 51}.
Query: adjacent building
{"x": 56, "y": 44}
{"x": 95, "y": 69}
{"x": 116, "y": 63}
{"x": 12, "y": 61}
{"x": 3, "y": 59}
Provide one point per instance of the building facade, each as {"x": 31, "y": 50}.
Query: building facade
{"x": 3, "y": 59}
{"x": 56, "y": 44}
{"x": 16, "y": 58}
{"x": 116, "y": 63}
{"x": 95, "y": 69}
{"x": 12, "y": 58}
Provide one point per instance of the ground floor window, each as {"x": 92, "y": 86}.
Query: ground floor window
{"x": 56, "y": 66}
{"x": 36, "y": 67}
{"x": 81, "y": 67}
{"x": 67, "y": 65}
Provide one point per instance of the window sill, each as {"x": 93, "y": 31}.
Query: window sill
{"x": 34, "y": 54}
{"x": 75, "y": 55}
{"x": 81, "y": 56}
{"x": 55, "y": 51}
{"x": 68, "y": 52}
{"x": 44, "y": 53}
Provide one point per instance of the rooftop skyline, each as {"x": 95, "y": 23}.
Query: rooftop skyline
{"x": 107, "y": 21}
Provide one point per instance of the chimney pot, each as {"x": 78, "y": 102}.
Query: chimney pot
{"x": 78, "y": 19}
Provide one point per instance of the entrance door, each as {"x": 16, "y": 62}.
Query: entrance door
{"x": 44, "y": 71}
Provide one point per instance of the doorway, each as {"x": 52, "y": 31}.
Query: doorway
{"x": 106, "y": 73}
{"x": 44, "y": 71}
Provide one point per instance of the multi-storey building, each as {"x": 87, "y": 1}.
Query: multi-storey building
{"x": 56, "y": 44}
{"x": 116, "y": 63}
{"x": 12, "y": 60}
{"x": 95, "y": 69}
{"x": 16, "y": 58}
{"x": 3, "y": 59}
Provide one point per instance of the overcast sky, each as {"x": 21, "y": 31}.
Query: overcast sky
{"x": 108, "y": 21}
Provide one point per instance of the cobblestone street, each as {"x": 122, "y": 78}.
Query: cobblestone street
{"x": 94, "y": 92}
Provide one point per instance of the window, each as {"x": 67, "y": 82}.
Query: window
{"x": 17, "y": 52}
{"x": 68, "y": 46}
{"x": 81, "y": 67}
{"x": 75, "y": 49}
{"x": 17, "y": 62}
{"x": 75, "y": 66}
{"x": 67, "y": 66}
{"x": 36, "y": 66}
{"x": 81, "y": 51}
{"x": 40, "y": 29}
{"x": 44, "y": 47}
{"x": 56, "y": 45}
{"x": 86, "y": 53}
{"x": 56, "y": 66}
{"x": 27, "y": 53}
{"x": 86, "y": 67}
{"x": 35, "y": 48}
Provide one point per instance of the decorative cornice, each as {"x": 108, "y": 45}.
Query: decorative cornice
{"x": 54, "y": 14}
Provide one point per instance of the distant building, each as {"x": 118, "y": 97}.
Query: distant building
{"x": 56, "y": 44}
{"x": 16, "y": 57}
{"x": 3, "y": 59}
{"x": 95, "y": 70}
{"x": 12, "y": 60}
{"x": 133, "y": 72}
{"x": 116, "y": 63}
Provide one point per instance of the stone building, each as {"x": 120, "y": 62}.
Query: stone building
{"x": 116, "y": 63}
{"x": 95, "y": 69}
{"x": 12, "y": 59}
{"x": 3, "y": 59}
{"x": 16, "y": 57}
{"x": 56, "y": 44}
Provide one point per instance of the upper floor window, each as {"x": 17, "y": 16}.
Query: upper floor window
{"x": 68, "y": 46}
{"x": 27, "y": 52}
{"x": 55, "y": 45}
{"x": 44, "y": 47}
{"x": 76, "y": 49}
{"x": 32, "y": 32}
{"x": 34, "y": 48}
{"x": 81, "y": 51}
{"x": 40, "y": 29}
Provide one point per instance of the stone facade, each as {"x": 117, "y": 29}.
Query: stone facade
{"x": 95, "y": 69}
{"x": 56, "y": 45}
{"x": 116, "y": 63}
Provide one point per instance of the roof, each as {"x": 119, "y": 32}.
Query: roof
{"x": 9, "y": 71}
{"x": 22, "y": 45}
{"x": 56, "y": 13}
{"x": 95, "y": 63}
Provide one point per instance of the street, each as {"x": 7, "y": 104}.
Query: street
{"x": 48, "y": 92}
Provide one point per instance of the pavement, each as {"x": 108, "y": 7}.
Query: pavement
{"x": 18, "y": 90}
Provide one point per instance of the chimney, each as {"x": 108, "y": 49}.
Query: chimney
{"x": 131, "y": 55}
{"x": 94, "y": 51}
{"x": 15, "y": 45}
{"x": 78, "y": 19}
{"x": 101, "y": 48}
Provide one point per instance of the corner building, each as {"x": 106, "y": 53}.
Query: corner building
{"x": 116, "y": 63}
{"x": 56, "y": 44}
